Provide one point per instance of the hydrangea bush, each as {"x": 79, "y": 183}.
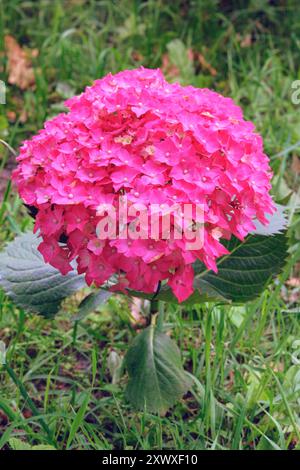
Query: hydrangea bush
{"x": 134, "y": 135}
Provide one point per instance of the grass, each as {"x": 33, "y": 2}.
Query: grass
{"x": 57, "y": 390}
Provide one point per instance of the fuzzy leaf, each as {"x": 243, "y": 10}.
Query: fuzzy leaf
{"x": 248, "y": 269}
{"x": 30, "y": 282}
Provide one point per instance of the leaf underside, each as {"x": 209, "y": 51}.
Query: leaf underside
{"x": 30, "y": 282}
{"x": 277, "y": 222}
{"x": 157, "y": 379}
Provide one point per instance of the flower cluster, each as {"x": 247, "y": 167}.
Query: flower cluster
{"x": 135, "y": 134}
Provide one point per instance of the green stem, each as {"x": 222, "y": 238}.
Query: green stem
{"x": 160, "y": 317}
{"x": 153, "y": 307}
{"x": 157, "y": 314}
{"x": 29, "y": 401}
{"x": 8, "y": 147}
{"x": 154, "y": 303}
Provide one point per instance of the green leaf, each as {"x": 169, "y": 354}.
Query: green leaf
{"x": 30, "y": 282}
{"x": 78, "y": 420}
{"x": 91, "y": 303}
{"x": 156, "y": 376}
{"x": 17, "y": 444}
{"x": 242, "y": 275}
{"x": 248, "y": 269}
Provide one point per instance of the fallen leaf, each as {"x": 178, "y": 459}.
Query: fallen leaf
{"x": 137, "y": 56}
{"x": 294, "y": 282}
{"x": 11, "y": 116}
{"x": 296, "y": 165}
{"x": 245, "y": 41}
{"x": 206, "y": 65}
{"x": 19, "y": 67}
{"x": 3, "y": 418}
{"x": 169, "y": 69}
{"x": 27, "y": 413}
{"x": 230, "y": 383}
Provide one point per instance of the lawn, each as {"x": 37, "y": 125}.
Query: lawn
{"x": 62, "y": 389}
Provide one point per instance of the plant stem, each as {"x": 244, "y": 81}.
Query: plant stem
{"x": 153, "y": 307}
{"x": 8, "y": 147}
{"x": 154, "y": 302}
{"x": 157, "y": 314}
{"x": 160, "y": 317}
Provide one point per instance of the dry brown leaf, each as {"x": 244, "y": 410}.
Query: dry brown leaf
{"x": 11, "y": 116}
{"x": 229, "y": 385}
{"x": 3, "y": 418}
{"x": 19, "y": 68}
{"x": 205, "y": 65}
{"x": 296, "y": 164}
{"x": 293, "y": 282}
{"x": 137, "y": 56}
{"x": 245, "y": 41}
{"x": 277, "y": 367}
{"x": 168, "y": 68}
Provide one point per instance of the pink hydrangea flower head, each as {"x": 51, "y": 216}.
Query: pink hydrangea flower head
{"x": 133, "y": 134}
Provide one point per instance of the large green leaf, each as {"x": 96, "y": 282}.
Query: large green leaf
{"x": 248, "y": 269}
{"x": 156, "y": 376}
{"x": 242, "y": 275}
{"x": 30, "y": 282}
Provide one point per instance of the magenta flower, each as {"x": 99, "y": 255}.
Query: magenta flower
{"x": 135, "y": 135}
